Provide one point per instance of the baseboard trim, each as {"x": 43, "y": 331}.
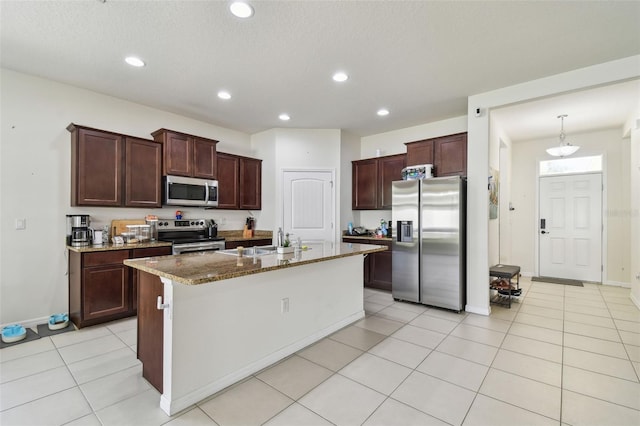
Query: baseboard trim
{"x": 172, "y": 407}
{"x": 635, "y": 300}
{"x": 478, "y": 310}
{"x": 617, "y": 284}
{"x": 30, "y": 323}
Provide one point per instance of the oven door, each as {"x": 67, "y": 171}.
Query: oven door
{"x": 198, "y": 247}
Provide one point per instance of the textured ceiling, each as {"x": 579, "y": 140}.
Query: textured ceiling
{"x": 419, "y": 59}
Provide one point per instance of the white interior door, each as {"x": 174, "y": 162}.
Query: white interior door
{"x": 308, "y": 206}
{"x": 570, "y": 228}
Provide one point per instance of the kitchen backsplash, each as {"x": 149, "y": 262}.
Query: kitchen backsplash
{"x": 370, "y": 219}
{"x": 226, "y": 219}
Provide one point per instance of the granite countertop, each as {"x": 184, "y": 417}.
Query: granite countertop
{"x": 204, "y": 267}
{"x": 111, "y": 247}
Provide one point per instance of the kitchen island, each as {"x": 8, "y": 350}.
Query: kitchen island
{"x": 223, "y": 317}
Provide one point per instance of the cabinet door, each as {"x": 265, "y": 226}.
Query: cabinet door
{"x": 105, "y": 292}
{"x": 450, "y": 154}
{"x": 420, "y": 152}
{"x": 250, "y": 184}
{"x": 137, "y": 253}
{"x": 151, "y": 319}
{"x": 228, "y": 168}
{"x": 204, "y": 158}
{"x": 389, "y": 169}
{"x": 380, "y": 270}
{"x": 178, "y": 154}
{"x": 96, "y": 162}
{"x": 143, "y": 163}
{"x": 248, "y": 243}
{"x": 364, "y": 194}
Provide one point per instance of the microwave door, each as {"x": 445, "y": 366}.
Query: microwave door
{"x": 186, "y": 194}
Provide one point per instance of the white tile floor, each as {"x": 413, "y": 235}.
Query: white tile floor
{"x": 560, "y": 356}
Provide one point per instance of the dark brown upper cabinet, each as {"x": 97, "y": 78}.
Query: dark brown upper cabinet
{"x": 239, "y": 182}
{"x": 143, "y": 168}
{"x": 389, "y": 169}
{"x": 448, "y": 154}
{"x": 187, "y": 155}
{"x": 371, "y": 181}
{"x": 250, "y": 183}
{"x": 113, "y": 170}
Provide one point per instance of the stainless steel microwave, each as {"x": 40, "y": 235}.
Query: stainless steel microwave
{"x": 186, "y": 191}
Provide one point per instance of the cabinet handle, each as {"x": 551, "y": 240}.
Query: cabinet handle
{"x": 161, "y": 305}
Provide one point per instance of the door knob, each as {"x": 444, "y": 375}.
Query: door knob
{"x": 544, "y": 232}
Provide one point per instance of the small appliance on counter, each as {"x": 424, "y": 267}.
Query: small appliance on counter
{"x": 78, "y": 232}
{"x": 152, "y": 221}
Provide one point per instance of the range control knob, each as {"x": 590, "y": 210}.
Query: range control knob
{"x": 193, "y": 223}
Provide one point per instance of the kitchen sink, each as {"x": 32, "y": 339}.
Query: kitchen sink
{"x": 250, "y": 251}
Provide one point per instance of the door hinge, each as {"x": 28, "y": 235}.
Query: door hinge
{"x": 331, "y": 182}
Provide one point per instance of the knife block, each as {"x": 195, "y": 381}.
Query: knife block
{"x": 247, "y": 233}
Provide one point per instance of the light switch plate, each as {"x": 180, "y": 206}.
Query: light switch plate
{"x": 21, "y": 224}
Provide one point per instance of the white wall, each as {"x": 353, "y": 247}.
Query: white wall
{"x": 390, "y": 143}
{"x": 393, "y": 142}
{"x": 634, "y": 211}
{"x": 526, "y": 156}
{"x": 349, "y": 151}
{"x": 303, "y": 149}
{"x": 35, "y": 184}
{"x": 478, "y": 155}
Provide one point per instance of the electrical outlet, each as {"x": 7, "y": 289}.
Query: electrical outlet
{"x": 284, "y": 305}
{"x": 21, "y": 224}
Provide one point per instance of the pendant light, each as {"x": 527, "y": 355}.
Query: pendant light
{"x": 565, "y": 148}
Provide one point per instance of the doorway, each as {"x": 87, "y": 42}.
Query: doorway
{"x": 308, "y": 206}
{"x": 570, "y": 226}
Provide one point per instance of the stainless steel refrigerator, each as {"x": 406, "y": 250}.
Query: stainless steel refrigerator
{"x": 429, "y": 263}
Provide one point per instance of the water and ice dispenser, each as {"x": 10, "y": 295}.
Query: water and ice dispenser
{"x": 404, "y": 231}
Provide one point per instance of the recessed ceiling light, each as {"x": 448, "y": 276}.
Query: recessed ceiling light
{"x": 284, "y": 117}
{"x": 241, "y": 9}
{"x": 223, "y": 94}
{"x": 340, "y": 77}
{"x": 134, "y": 61}
{"x": 382, "y": 112}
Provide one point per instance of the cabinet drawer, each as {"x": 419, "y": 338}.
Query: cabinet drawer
{"x": 150, "y": 252}
{"x": 104, "y": 257}
{"x": 247, "y": 243}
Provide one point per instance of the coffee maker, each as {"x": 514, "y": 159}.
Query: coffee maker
{"x": 78, "y": 232}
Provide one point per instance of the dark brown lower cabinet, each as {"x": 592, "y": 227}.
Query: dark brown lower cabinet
{"x": 247, "y": 243}
{"x": 150, "y": 319}
{"x": 101, "y": 287}
{"x": 377, "y": 266}
{"x": 380, "y": 270}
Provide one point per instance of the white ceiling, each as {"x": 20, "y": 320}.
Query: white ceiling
{"x": 419, "y": 59}
{"x": 598, "y": 108}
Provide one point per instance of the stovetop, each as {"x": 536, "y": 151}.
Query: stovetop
{"x": 185, "y": 231}
{"x": 188, "y": 239}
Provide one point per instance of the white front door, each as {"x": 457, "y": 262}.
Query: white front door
{"x": 308, "y": 206}
{"x": 570, "y": 228}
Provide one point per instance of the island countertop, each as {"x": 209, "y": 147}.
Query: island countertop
{"x": 204, "y": 267}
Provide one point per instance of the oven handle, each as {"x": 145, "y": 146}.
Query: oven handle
{"x": 192, "y": 248}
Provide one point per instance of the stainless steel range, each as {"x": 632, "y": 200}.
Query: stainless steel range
{"x": 190, "y": 235}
